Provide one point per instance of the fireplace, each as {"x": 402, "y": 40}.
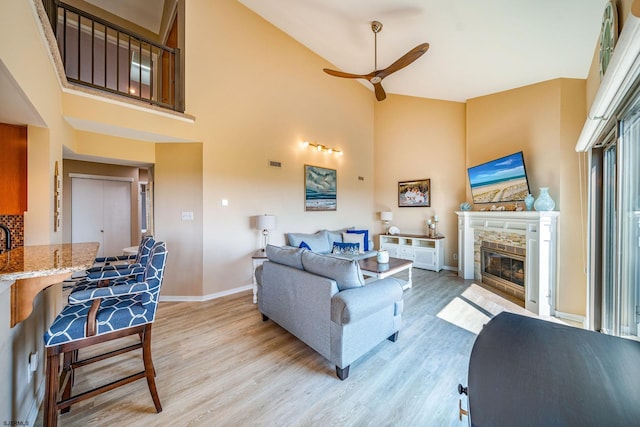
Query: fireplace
{"x": 534, "y": 235}
{"x": 503, "y": 267}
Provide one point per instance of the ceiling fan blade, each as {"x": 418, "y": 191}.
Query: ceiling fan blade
{"x": 405, "y": 60}
{"x": 380, "y": 93}
{"x": 343, "y": 74}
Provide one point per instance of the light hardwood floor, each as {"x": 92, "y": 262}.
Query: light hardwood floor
{"x": 218, "y": 364}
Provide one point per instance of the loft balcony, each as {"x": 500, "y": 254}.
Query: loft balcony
{"x": 107, "y": 57}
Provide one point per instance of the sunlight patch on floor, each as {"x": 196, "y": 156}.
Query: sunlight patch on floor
{"x": 475, "y": 307}
{"x": 464, "y": 315}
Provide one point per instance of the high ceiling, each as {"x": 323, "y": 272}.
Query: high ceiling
{"x": 478, "y": 47}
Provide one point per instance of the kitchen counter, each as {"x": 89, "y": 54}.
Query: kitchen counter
{"x": 33, "y": 268}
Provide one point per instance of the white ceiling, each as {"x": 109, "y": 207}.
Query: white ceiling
{"x": 478, "y": 47}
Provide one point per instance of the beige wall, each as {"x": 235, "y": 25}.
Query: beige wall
{"x": 418, "y": 138}
{"x": 178, "y": 188}
{"x": 544, "y": 121}
{"x": 269, "y": 93}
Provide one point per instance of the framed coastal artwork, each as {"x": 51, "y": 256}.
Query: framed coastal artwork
{"x": 320, "y": 189}
{"x": 415, "y": 193}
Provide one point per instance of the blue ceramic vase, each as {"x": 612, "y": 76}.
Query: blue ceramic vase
{"x": 544, "y": 202}
{"x": 528, "y": 201}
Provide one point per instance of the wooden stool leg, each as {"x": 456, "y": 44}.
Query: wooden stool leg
{"x": 68, "y": 358}
{"x": 149, "y": 368}
{"x": 51, "y": 391}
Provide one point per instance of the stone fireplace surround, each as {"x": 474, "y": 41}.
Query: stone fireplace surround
{"x": 536, "y": 232}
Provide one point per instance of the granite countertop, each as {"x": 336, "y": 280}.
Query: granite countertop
{"x": 46, "y": 260}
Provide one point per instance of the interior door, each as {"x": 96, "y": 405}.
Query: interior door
{"x": 101, "y": 212}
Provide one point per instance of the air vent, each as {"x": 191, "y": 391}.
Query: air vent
{"x": 275, "y": 164}
{"x": 361, "y": 178}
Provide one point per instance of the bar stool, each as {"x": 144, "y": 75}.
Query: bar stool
{"x": 97, "y": 315}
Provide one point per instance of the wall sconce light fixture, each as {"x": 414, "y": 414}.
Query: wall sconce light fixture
{"x": 322, "y": 148}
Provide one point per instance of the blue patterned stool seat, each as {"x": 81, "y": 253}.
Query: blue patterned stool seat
{"x": 114, "y": 313}
{"x": 114, "y": 272}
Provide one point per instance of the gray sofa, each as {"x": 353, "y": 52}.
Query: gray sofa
{"x": 322, "y": 242}
{"x": 323, "y": 301}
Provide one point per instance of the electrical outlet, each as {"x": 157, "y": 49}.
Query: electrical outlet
{"x": 32, "y": 365}
{"x": 455, "y": 255}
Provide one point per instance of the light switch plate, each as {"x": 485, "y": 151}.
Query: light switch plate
{"x": 187, "y": 216}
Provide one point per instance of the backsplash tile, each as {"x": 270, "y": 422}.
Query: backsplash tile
{"x": 15, "y": 223}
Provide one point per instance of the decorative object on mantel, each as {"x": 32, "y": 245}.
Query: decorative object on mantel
{"x": 383, "y": 256}
{"x": 432, "y": 224}
{"x": 528, "y": 201}
{"x": 544, "y": 202}
{"x": 465, "y": 206}
{"x": 265, "y": 223}
{"x": 393, "y": 230}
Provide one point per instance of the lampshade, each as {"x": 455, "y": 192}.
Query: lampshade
{"x": 266, "y": 222}
{"x": 386, "y": 216}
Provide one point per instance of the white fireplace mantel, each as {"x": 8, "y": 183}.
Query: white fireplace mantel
{"x": 541, "y": 232}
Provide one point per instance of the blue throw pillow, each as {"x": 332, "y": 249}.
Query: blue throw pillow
{"x": 346, "y": 248}
{"x": 303, "y": 245}
{"x": 366, "y": 237}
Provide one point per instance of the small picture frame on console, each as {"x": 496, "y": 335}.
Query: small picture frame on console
{"x": 416, "y": 193}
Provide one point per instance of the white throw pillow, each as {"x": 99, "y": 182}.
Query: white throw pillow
{"x": 354, "y": 238}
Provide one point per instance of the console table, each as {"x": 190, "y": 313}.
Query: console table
{"x": 425, "y": 252}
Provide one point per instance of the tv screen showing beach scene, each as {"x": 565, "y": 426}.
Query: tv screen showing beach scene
{"x": 500, "y": 180}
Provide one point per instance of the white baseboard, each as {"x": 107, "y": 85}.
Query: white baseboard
{"x": 572, "y": 317}
{"x": 35, "y": 405}
{"x": 448, "y": 267}
{"x": 178, "y": 298}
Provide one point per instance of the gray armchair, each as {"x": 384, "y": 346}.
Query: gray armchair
{"x": 323, "y": 301}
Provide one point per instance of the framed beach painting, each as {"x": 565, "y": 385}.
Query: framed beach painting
{"x": 415, "y": 193}
{"x": 320, "y": 189}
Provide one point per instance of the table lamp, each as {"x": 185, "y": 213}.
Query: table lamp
{"x": 266, "y": 223}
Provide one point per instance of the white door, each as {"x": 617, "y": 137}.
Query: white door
{"x": 101, "y": 212}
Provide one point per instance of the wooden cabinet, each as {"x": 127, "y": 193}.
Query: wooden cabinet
{"x": 13, "y": 169}
{"x": 425, "y": 252}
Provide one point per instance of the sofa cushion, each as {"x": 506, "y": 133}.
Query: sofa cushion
{"x": 335, "y": 236}
{"x": 345, "y": 248}
{"x": 354, "y": 238}
{"x": 366, "y": 237}
{"x": 318, "y": 242}
{"x": 346, "y": 273}
{"x": 291, "y": 257}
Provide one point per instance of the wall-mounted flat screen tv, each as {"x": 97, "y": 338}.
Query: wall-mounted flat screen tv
{"x": 500, "y": 180}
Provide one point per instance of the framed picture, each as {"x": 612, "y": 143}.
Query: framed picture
{"x": 320, "y": 189}
{"x": 414, "y": 193}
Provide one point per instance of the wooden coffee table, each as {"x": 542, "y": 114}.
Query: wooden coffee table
{"x": 372, "y": 268}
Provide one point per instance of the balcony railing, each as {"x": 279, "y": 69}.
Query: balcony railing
{"x": 104, "y": 56}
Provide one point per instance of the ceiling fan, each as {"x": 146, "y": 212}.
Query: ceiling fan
{"x": 375, "y": 77}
